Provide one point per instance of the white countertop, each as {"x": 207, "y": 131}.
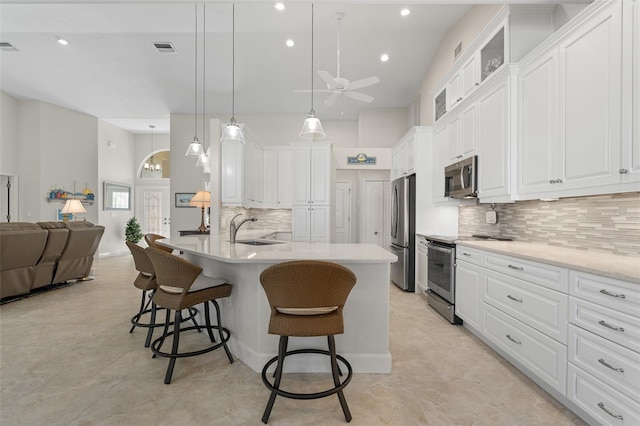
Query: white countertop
{"x": 621, "y": 267}
{"x": 217, "y": 247}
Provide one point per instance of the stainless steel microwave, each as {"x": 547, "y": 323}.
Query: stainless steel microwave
{"x": 461, "y": 178}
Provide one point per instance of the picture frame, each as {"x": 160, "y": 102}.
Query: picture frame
{"x": 117, "y": 196}
{"x": 183, "y": 199}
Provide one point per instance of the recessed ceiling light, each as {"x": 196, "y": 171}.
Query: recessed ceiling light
{"x": 384, "y": 57}
{"x": 290, "y": 43}
{"x": 279, "y": 6}
{"x": 62, "y": 41}
{"x": 405, "y": 12}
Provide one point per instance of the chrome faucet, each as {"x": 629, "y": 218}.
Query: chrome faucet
{"x": 233, "y": 228}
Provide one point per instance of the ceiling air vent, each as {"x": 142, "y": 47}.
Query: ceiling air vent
{"x": 7, "y": 47}
{"x": 164, "y": 47}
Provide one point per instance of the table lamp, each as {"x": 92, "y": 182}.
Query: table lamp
{"x": 72, "y": 207}
{"x": 202, "y": 199}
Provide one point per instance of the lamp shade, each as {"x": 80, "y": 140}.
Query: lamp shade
{"x": 312, "y": 128}
{"x": 203, "y": 160}
{"x": 201, "y": 199}
{"x": 232, "y": 133}
{"x": 194, "y": 149}
{"x": 73, "y": 206}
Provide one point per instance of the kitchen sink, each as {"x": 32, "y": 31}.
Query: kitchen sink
{"x": 259, "y": 242}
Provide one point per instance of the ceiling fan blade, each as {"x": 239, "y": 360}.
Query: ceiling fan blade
{"x": 359, "y": 96}
{"x": 331, "y": 82}
{"x": 359, "y": 84}
{"x": 314, "y": 91}
{"x": 332, "y": 99}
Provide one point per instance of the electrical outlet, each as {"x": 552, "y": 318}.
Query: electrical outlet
{"x": 491, "y": 217}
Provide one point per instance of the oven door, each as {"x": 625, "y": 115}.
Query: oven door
{"x": 441, "y": 270}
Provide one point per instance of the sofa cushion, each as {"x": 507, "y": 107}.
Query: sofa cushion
{"x": 20, "y": 250}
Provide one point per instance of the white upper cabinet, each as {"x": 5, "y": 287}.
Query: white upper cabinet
{"x": 277, "y": 177}
{"x": 403, "y": 156}
{"x": 630, "y": 164}
{"x": 253, "y": 175}
{"x": 231, "y": 172}
{"x": 575, "y": 95}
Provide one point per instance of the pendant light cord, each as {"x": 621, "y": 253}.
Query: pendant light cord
{"x": 312, "y": 111}
{"x": 204, "y": 73}
{"x": 195, "y": 98}
{"x": 233, "y": 63}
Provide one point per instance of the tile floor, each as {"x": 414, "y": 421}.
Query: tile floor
{"x": 67, "y": 358}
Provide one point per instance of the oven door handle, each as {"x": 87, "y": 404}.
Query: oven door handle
{"x": 440, "y": 249}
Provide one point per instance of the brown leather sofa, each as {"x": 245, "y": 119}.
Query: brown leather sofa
{"x": 33, "y": 255}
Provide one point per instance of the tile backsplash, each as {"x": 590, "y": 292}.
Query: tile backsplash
{"x": 607, "y": 223}
{"x": 272, "y": 219}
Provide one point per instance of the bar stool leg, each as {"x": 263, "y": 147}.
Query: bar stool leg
{"x": 336, "y": 379}
{"x": 174, "y": 349}
{"x": 144, "y": 296}
{"x": 282, "y": 350}
{"x": 218, "y": 318}
{"x": 151, "y": 324}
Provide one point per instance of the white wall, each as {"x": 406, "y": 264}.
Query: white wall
{"x": 382, "y": 127}
{"x": 117, "y": 164}
{"x": 8, "y": 134}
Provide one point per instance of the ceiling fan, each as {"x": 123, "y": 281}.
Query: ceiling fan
{"x": 339, "y": 86}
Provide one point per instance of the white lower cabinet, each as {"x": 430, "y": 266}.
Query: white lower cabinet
{"x": 545, "y": 357}
{"x": 601, "y": 401}
{"x": 311, "y": 224}
{"x": 573, "y": 332}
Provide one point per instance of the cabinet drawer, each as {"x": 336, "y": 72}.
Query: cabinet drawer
{"x": 541, "y": 308}
{"x": 615, "y": 365}
{"x": 621, "y": 328}
{"x": 469, "y": 255}
{"x": 543, "y": 356}
{"x": 549, "y": 276}
{"x": 600, "y": 400}
{"x": 620, "y": 295}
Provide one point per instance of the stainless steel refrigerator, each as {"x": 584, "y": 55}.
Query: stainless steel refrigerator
{"x": 403, "y": 231}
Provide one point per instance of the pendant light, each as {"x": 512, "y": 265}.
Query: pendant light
{"x": 203, "y": 158}
{"x": 312, "y": 127}
{"x": 232, "y": 131}
{"x": 195, "y": 147}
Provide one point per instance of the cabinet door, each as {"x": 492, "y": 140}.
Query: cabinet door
{"x": 538, "y": 124}
{"x": 301, "y": 223}
{"x": 284, "y": 179}
{"x": 470, "y": 77}
{"x": 320, "y": 224}
{"x": 468, "y": 131}
{"x": 468, "y": 295}
{"x": 453, "y": 92}
{"x": 590, "y": 108}
{"x": 454, "y": 139}
{"x": 410, "y": 155}
{"x": 301, "y": 178}
{"x": 270, "y": 179}
{"x": 320, "y": 175}
{"x": 231, "y": 173}
{"x": 493, "y": 116}
{"x": 421, "y": 268}
{"x": 630, "y": 167}
{"x": 396, "y": 163}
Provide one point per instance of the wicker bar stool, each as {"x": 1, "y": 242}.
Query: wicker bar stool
{"x": 306, "y": 299}
{"x": 181, "y": 285}
{"x": 150, "y": 239}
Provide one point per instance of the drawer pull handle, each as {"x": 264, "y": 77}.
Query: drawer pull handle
{"x": 514, "y": 298}
{"x": 608, "y": 293}
{"x": 466, "y": 254}
{"x": 518, "y": 268}
{"x": 613, "y": 327}
{"x": 606, "y": 410}
{"x": 606, "y": 364}
{"x": 516, "y": 341}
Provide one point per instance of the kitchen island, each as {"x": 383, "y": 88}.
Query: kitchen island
{"x": 365, "y": 342}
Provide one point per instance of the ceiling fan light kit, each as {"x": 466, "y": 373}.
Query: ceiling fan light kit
{"x": 232, "y": 132}
{"x": 312, "y": 127}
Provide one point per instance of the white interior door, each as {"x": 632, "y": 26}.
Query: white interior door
{"x": 373, "y": 212}
{"x": 342, "y": 232}
{"x": 154, "y": 207}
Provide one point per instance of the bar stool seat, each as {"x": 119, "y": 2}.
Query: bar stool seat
{"x": 181, "y": 285}
{"x": 306, "y": 299}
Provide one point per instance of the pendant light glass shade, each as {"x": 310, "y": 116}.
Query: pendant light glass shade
{"x": 312, "y": 127}
{"x": 203, "y": 160}
{"x": 194, "y": 149}
{"x": 232, "y": 132}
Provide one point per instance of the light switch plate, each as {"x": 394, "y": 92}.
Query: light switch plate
{"x": 491, "y": 217}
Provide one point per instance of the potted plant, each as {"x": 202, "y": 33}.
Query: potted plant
{"x": 132, "y": 232}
